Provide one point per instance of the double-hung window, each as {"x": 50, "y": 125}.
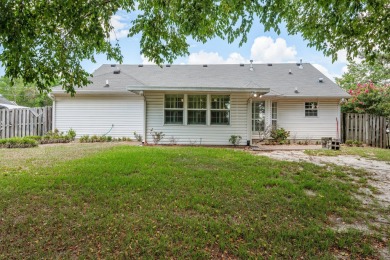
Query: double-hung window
{"x": 174, "y": 109}
{"x": 274, "y": 117}
{"x": 311, "y": 109}
{"x": 220, "y": 110}
{"x": 196, "y": 109}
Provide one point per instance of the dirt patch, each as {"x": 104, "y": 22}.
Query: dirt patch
{"x": 380, "y": 178}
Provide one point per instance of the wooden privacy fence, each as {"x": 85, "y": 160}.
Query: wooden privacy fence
{"x": 25, "y": 122}
{"x": 366, "y": 128}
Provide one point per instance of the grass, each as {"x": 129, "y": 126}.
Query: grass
{"x": 367, "y": 152}
{"x": 100, "y": 201}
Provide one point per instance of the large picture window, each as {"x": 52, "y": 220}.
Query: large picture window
{"x": 196, "y": 109}
{"x": 311, "y": 109}
{"x": 220, "y": 110}
{"x": 174, "y": 109}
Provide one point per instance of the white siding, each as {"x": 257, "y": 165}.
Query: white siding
{"x": 198, "y": 134}
{"x": 96, "y": 114}
{"x": 291, "y": 116}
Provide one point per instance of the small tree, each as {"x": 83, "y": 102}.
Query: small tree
{"x": 368, "y": 98}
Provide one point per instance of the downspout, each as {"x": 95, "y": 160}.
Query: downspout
{"x": 53, "y": 115}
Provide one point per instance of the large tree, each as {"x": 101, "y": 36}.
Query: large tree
{"x": 41, "y": 40}
{"x": 23, "y": 95}
{"x": 368, "y": 83}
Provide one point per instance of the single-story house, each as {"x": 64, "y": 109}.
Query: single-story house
{"x": 5, "y": 103}
{"x": 203, "y": 104}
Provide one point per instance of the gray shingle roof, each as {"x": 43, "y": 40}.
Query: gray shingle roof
{"x": 276, "y": 77}
{"x": 5, "y": 101}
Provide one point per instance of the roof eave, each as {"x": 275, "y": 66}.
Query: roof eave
{"x": 197, "y": 89}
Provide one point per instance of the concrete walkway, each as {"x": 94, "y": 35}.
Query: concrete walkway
{"x": 292, "y": 147}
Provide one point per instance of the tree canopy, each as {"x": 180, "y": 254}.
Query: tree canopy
{"x": 42, "y": 40}
{"x": 23, "y": 95}
{"x": 369, "y": 86}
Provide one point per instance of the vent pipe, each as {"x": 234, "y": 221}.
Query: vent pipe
{"x": 300, "y": 64}
{"x": 251, "y": 66}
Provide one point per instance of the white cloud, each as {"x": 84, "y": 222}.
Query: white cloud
{"x": 120, "y": 28}
{"x": 344, "y": 69}
{"x": 265, "y": 49}
{"x": 203, "y": 57}
{"x": 146, "y": 61}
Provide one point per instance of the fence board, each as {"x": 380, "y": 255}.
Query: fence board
{"x": 366, "y": 128}
{"x": 25, "y": 122}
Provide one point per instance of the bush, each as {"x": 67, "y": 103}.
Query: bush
{"x": 99, "y": 139}
{"x": 137, "y": 137}
{"x": 18, "y": 142}
{"x": 235, "y": 139}
{"x": 58, "y": 137}
{"x": 72, "y": 134}
{"x": 280, "y": 135}
{"x": 349, "y": 142}
{"x": 157, "y": 136}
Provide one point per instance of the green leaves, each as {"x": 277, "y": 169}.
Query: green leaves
{"x": 43, "y": 40}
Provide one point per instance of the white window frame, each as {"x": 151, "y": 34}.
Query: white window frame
{"x": 220, "y": 109}
{"x": 309, "y": 110}
{"x": 174, "y": 109}
{"x": 185, "y": 109}
{"x": 196, "y": 109}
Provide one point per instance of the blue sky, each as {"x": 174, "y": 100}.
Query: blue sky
{"x": 262, "y": 47}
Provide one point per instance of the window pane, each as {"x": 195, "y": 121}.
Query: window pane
{"x": 196, "y": 117}
{"x": 174, "y": 101}
{"x": 274, "y": 110}
{"x": 258, "y": 109}
{"x": 197, "y": 101}
{"x": 311, "y": 109}
{"x": 220, "y": 117}
{"x": 258, "y": 124}
{"x": 220, "y": 102}
{"x": 173, "y": 116}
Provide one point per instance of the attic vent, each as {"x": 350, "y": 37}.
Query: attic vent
{"x": 269, "y": 64}
{"x": 204, "y": 65}
{"x": 241, "y": 64}
{"x": 140, "y": 65}
{"x": 168, "y": 65}
{"x": 320, "y": 80}
{"x": 117, "y": 71}
{"x": 113, "y": 65}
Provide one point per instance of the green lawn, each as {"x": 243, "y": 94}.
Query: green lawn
{"x": 367, "y": 152}
{"x": 174, "y": 202}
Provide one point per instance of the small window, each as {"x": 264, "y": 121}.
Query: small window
{"x": 197, "y": 108}
{"x": 274, "y": 115}
{"x": 220, "y": 110}
{"x": 311, "y": 109}
{"x": 174, "y": 109}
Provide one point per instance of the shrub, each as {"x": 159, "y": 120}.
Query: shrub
{"x": 84, "y": 139}
{"x": 18, "y": 142}
{"x": 157, "y": 136}
{"x": 72, "y": 134}
{"x": 138, "y": 137}
{"x": 280, "y": 135}
{"x": 58, "y": 137}
{"x": 235, "y": 139}
{"x": 349, "y": 142}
